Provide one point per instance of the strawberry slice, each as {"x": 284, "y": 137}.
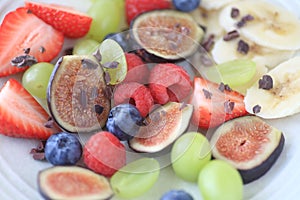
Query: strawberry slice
{"x": 20, "y": 114}
{"x": 21, "y": 30}
{"x": 215, "y": 103}
{"x": 72, "y": 23}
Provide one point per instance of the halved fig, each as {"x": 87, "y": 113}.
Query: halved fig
{"x": 249, "y": 144}
{"x": 163, "y": 126}
{"x": 166, "y": 34}
{"x": 72, "y": 182}
{"x": 76, "y": 94}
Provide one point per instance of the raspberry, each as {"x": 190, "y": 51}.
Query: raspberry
{"x": 169, "y": 82}
{"x": 137, "y": 70}
{"x": 135, "y": 7}
{"x": 136, "y": 94}
{"x": 104, "y": 153}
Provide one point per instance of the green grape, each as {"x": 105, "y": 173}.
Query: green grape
{"x": 219, "y": 180}
{"x": 234, "y": 73}
{"x": 111, "y": 51}
{"x": 107, "y": 17}
{"x": 85, "y": 47}
{"x": 36, "y": 78}
{"x": 189, "y": 154}
{"x": 135, "y": 178}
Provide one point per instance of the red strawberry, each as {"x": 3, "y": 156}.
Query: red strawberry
{"x": 104, "y": 153}
{"x": 215, "y": 103}
{"x": 136, "y": 94}
{"x": 72, "y": 23}
{"x": 20, "y": 114}
{"x": 135, "y": 7}
{"x": 22, "y": 30}
{"x": 137, "y": 70}
{"x": 169, "y": 82}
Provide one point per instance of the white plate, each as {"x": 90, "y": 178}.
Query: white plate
{"x": 18, "y": 171}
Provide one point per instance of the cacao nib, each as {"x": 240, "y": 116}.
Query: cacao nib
{"x": 243, "y": 47}
{"x": 266, "y": 82}
{"x": 42, "y": 49}
{"x": 111, "y": 65}
{"x": 231, "y": 35}
{"x": 97, "y": 55}
{"x": 38, "y": 153}
{"x": 223, "y": 87}
{"x": 256, "y": 109}
{"x": 49, "y": 123}
{"x": 234, "y": 13}
{"x": 87, "y": 63}
{"x": 228, "y": 106}
{"x": 23, "y": 61}
{"x": 244, "y": 20}
{"x": 209, "y": 42}
{"x": 27, "y": 50}
{"x": 207, "y": 94}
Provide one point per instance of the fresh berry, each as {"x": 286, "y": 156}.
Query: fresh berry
{"x": 137, "y": 69}
{"x": 20, "y": 114}
{"x": 135, "y": 7}
{"x": 169, "y": 82}
{"x": 25, "y": 38}
{"x": 72, "y": 23}
{"x": 136, "y": 94}
{"x": 186, "y": 5}
{"x": 176, "y": 195}
{"x": 104, "y": 153}
{"x": 124, "y": 121}
{"x": 215, "y": 103}
{"x": 63, "y": 149}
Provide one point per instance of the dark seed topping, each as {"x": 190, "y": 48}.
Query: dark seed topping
{"x": 256, "y": 109}
{"x": 266, "y": 82}
{"x": 23, "y": 61}
{"x": 207, "y": 94}
{"x": 97, "y": 55}
{"x": 209, "y": 42}
{"x": 243, "y": 47}
{"x": 235, "y": 12}
{"x": 27, "y": 50}
{"x": 228, "y": 106}
{"x": 42, "y": 49}
{"x": 38, "y": 153}
{"x": 89, "y": 64}
{"x": 49, "y": 123}
{"x": 244, "y": 20}
{"x": 98, "y": 109}
{"x": 107, "y": 78}
{"x": 231, "y": 35}
{"x": 223, "y": 87}
{"x": 111, "y": 65}
{"x": 83, "y": 98}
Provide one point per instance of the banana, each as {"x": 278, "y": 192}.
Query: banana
{"x": 280, "y": 100}
{"x": 263, "y": 23}
{"x": 215, "y": 4}
{"x": 227, "y": 50}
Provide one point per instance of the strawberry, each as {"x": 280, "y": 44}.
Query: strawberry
{"x": 135, "y": 7}
{"x": 20, "y": 114}
{"x": 72, "y": 23}
{"x": 21, "y": 30}
{"x": 215, "y": 103}
{"x": 104, "y": 153}
{"x": 137, "y": 70}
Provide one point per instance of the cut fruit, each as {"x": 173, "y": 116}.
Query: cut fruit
{"x": 74, "y": 183}
{"x": 167, "y": 34}
{"x": 249, "y": 144}
{"x": 76, "y": 94}
{"x": 164, "y": 125}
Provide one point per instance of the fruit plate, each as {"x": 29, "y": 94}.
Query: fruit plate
{"x": 18, "y": 170}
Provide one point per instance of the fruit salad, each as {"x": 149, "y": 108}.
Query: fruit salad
{"x": 149, "y": 99}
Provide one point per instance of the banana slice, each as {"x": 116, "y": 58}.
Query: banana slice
{"x": 271, "y": 26}
{"x": 224, "y": 51}
{"x": 283, "y": 98}
{"x": 215, "y": 4}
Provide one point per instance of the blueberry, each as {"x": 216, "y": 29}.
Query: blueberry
{"x": 63, "y": 149}
{"x": 186, "y": 5}
{"x": 176, "y": 195}
{"x": 124, "y": 121}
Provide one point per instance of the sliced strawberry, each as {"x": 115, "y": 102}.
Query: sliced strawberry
{"x": 20, "y": 114}
{"x": 72, "y": 23}
{"x": 22, "y": 30}
{"x": 215, "y": 104}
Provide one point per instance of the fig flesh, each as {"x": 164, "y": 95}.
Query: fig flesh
{"x": 166, "y": 34}
{"x": 163, "y": 126}
{"x": 76, "y": 94}
{"x": 72, "y": 182}
{"x": 249, "y": 144}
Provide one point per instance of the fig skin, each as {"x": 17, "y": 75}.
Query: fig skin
{"x": 95, "y": 186}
